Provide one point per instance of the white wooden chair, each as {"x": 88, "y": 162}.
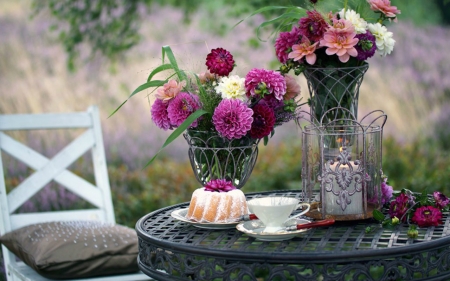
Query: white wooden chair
{"x": 46, "y": 170}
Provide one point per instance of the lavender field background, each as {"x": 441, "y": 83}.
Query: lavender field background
{"x": 412, "y": 86}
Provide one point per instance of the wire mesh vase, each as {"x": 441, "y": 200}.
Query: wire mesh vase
{"x": 334, "y": 87}
{"x": 215, "y": 157}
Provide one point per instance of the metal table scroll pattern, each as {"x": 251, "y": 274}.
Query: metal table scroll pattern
{"x": 341, "y": 163}
{"x": 173, "y": 250}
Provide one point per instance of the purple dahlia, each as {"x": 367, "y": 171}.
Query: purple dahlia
{"x": 399, "y": 206}
{"x": 264, "y": 79}
{"x": 220, "y": 62}
{"x": 366, "y": 45}
{"x": 180, "y": 107}
{"x": 284, "y": 43}
{"x": 232, "y": 118}
{"x": 440, "y": 199}
{"x": 263, "y": 121}
{"x": 313, "y": 26}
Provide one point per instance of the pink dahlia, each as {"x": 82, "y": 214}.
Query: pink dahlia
{"x": 304, "y": 49}
{"x": 340, "y": 40}
{"x": 366, "y": 46}
{"x": 399, "y": 206}
{"x": 232, "y": 118}
{"x": 440, "y": 199}
{"x": 160, "y": 116}
{"x": 313, "y": 26}
{"x": 219, "y": 185}
{"x": 427, "y": 216}
{"x": 170, "y": 90}
{"x": 284, "y": 43}
{"x": 183, "y": 105}
{"x": 269, "y": 80}
{"x": 385, "y": 7}
{"x": 220, "y": 62}
{"x": 263, "y": 121}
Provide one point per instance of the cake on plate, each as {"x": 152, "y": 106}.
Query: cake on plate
{"x": 217, "y": 202}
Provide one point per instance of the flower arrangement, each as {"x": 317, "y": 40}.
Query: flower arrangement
{"x": 412, "y": 208}
{"x": 220, "y": 102}
{"x": 334, "y": 33}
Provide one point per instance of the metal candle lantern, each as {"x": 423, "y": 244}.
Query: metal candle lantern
{"x": 341, "y": 166}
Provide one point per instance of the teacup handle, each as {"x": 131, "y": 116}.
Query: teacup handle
{"x": 303, "y": 212}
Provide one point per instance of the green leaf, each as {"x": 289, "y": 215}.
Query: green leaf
{"x": 167, "y": 51}
{"x": 158, "y": 70}
{"x": 154, "y": 83}
{"x": 178, "y": 131}
{"x": 378, "y": 215}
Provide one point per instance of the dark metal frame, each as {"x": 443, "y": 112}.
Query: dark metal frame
{"x": 174, "y": 250}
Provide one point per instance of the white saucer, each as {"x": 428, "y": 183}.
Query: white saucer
{"x": 255, "y": 228}
{"x": 180, "y": 215}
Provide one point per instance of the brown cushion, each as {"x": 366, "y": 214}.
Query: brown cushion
{"x": 75, "y": 249}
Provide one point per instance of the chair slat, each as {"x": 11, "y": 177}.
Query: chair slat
{"x": 23, "y": 219}
{"x": 45, "y": 121}
{"x": 36, "y": 161}
{"x": 38, "y": 180}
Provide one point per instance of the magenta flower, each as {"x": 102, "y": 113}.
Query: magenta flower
{"x": 366, "y": 46}
{"x": 232, "y": 118}
{"x": 385, "y": 7}
{"x": 399, "y": 206}
{"x": 440, "y": 199}
{"x": 219, "y": 185}
{"x": 160, "y": 116}
{"x": 284, "y": 43}
{"x": 263, "y": 121}
{"x": 427, "y": 216}
{"x": 304, "y": 49}
{"x": 220, "y": 62}
{"x": 386, "y": 192}
{"x": 270, "y": 80}
{"x": 183, "y": 105}
{"x": 313, "y": 26}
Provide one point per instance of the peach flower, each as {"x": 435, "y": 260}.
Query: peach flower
{"x": 340, "y": 40}
{"x": 206, "y": 76}
{"x": 304, "y": 49}
{"x": 170, "y": 90}
{"x": 292, "y": 88}
{"x": 385, "y": 7}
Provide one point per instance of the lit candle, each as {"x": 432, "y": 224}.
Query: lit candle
{"x": 343, "y": 188}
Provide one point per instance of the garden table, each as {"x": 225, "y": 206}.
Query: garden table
{"x": 171, "y": 249}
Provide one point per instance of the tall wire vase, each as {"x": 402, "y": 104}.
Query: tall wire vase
{"x": 334, "y": 87}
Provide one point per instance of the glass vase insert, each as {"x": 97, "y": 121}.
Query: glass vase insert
{"x": 334, "y": 87}
{"x": 343, "y": 184}
{"x": 215, "y": 157}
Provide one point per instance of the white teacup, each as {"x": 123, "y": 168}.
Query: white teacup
{"x": 275, "y": 211}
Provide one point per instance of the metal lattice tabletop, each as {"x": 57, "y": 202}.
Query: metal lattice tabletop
{"x": 174, "y": 250}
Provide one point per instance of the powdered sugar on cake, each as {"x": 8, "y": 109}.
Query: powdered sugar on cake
{"x": 217, "y": 207}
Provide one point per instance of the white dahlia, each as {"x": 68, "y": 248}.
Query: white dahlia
{"x": 232, "y": 87}
{"x": 356, "y": 20}
{"x": 384, "y": 41}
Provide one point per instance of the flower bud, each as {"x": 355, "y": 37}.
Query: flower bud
{"x": 413, "y": 232}
{"x": 395, "y": 221}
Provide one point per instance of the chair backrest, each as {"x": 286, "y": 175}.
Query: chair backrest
{"x": 98, "y": 194}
